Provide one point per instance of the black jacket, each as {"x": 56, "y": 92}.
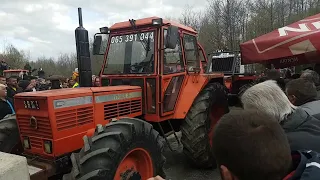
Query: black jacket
{"x": 11, "y": 92}
{"x": 302, "y": 130}
{"x": 306, "y": 166}
{"x": 5, "y": 108}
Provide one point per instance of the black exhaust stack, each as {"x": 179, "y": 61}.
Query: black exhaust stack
{"x": 83, "y": 54}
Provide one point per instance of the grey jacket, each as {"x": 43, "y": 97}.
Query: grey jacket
{"x": 312, "y": 108}
{"x": 302, "y": 130}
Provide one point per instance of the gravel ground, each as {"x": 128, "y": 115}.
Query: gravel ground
{"x": 177, "y": 167}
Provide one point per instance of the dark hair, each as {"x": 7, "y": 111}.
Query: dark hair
{"x": 273, "y": 74}
{"x": 295, "y": 76}
{"x": 304, "y": 90}
{"x": 252, "y": 145}
{"x": 24, "y": 84}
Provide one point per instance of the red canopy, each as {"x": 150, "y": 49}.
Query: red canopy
{"x": 297, "y": 43}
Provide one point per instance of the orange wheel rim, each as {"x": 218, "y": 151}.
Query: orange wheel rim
{"x": 137, "y": 164}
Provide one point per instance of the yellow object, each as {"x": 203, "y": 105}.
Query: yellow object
{"x": 75, "y": 85}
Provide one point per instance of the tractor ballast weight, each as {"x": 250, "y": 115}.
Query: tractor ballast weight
{"x": 83, "y": 54}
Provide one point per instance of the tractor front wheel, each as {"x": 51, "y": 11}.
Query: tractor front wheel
{"x": 9, "y": 135}
{"x": 197, "y": 129}
{"x": 125, "y": 149}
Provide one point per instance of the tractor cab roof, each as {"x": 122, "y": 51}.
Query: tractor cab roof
{"x": 72, "y": 91}
{"x": 148, "y": 21}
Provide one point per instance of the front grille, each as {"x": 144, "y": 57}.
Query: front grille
{"x": 72, "y": 118}
{"x": 36, "y": 142}
{"x": 43, "y": 127}
{"x": 116, "y": 110}
{"x": 223, "y": 64}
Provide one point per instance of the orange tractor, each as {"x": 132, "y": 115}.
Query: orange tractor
{"x": 14, "y": 72}
{"x": 154, "y": 84}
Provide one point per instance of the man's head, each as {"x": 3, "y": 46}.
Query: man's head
{"x": 301, "y": 91}
{"x": 250, "y": 145}
{"x": 12, "y": 82}
{"x": 33, "y": 81}
{"x": 310, "y": 76}
{"x": 2, "y": 80}
{"x": 273, "y": 74}
{"x": 25, "y": 85}
{"x": 269, "y": 98}
{"x": 3, "y": 91}
{"x": 71, "y": 82}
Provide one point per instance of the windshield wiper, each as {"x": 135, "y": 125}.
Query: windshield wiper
{"x": 134, "y": 27}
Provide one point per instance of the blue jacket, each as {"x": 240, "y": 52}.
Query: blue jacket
{"x": 306, "y": 165}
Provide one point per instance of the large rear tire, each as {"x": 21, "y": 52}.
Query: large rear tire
{"x": 125, "y": 149}
{"x": 9, "y": 135}
{"x": 197, "y": 129}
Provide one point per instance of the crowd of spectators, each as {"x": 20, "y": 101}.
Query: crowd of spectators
{"x": 9, "y": 87}
{"x": 276, "y": 134}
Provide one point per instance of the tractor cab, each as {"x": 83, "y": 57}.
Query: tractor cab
{"x": 15, "y": 72}
{"x": 152, "y": 53}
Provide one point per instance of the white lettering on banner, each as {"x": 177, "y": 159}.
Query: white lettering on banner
{"x": 316, "y": 24}
{"x": 283, "y": 30}
{"x": 117, "y": 97}
{"x": 70, "y": 102}
{"x": 302, "y": 28}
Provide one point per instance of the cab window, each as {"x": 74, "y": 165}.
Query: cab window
{"x": 172, "y": 59}
{"x": 191, "y": 52}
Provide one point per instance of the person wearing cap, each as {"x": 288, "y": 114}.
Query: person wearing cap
{"x": 26, "y": 86}
{"x": 75, "y": 77}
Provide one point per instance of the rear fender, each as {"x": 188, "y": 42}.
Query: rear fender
{"x": 189, "y": 92}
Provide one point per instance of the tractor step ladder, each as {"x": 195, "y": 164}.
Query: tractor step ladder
{"x": 165, "y": 135}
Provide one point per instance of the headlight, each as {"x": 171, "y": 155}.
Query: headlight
{"x": 26, "y": 143}
{"x": 104, "y": 30}
{"x": 48, "y": 146}
{"x": 157, "y": 22}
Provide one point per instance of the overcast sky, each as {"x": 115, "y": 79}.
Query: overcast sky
{"x": 44, "y": 27}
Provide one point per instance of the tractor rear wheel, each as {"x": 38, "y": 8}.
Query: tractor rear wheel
{"x": 125, "y": 149}
{"x": 197, "y": 129}
{"x": 9, "y": 135}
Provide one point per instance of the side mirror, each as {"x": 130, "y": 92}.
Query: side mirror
{"x": 172, "y": 37}
{"x": 100, "y": 44}
{"x": 97, "y": 45}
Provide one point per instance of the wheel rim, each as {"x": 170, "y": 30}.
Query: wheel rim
{"x": 136, "y": 165}
{"x": 217, "y": 111}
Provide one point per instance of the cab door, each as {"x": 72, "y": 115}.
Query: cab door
{"x": 191, "y": 50}
{"x": 172, "y": 75}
